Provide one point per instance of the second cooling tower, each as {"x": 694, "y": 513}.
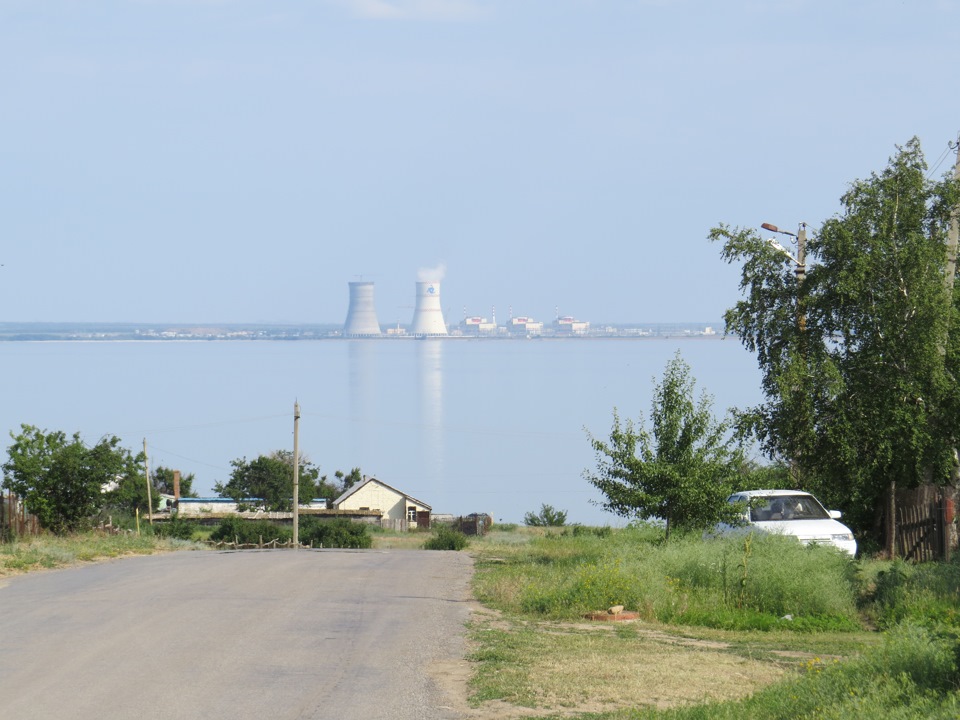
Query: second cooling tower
{"x": 362, "y": 316}
{"x": 427, "y": 316}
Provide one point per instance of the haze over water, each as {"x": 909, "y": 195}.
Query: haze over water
{"x": 466, "y": 426}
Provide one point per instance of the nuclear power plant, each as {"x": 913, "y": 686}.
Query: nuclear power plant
{"x": 362, "y": 315}
{"x": 427, "y": 315}
{"x": 428, "y": 319}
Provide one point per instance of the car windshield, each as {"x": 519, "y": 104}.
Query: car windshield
{"x": 786, "y": 507}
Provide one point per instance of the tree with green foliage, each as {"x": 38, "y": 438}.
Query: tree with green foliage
{"x": 64, "y": 482}
{"x": 341, "y": 483}
{"x": 547, "y": 517}
{"x": 130, "y": 493}
{"x": 162, "y": 479}
{"x": 683, "y": 472}
{"x": 859, "y": 367}
{"x": 269, "y": 478}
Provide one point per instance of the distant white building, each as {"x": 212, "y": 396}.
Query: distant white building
{"x": 523, "y": 325}
{"x": 478, "y": 326}
{"x": 570, "y": 326}
{"x": 217, "y": 506}
{"x": 372, "y": 495}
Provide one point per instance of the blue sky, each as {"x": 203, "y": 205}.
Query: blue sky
{"x": 243, "y": 160}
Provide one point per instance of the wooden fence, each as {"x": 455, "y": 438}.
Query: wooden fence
{"x": 476, "y": 524}
{"x": 14, "y": 519}
{"x": 923, "y": 531}
{"x": 271, "y": 545}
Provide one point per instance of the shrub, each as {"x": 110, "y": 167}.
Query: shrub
{"x": 176, "y": 527}
{"x": 547, "y": 517}
{"x": 335, "y": 533}
{"x": 446, "y": 539}
{"x": 250, "y": 531}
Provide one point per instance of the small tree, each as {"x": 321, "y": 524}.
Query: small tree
{"x": 547, "y": 517}
{"x": 162, "y": 479}
{"x": 341, "y": 483}
{"x": 270, "y": 478}
{"x": 683, "y": 472}
{"x": 64, "y": 482}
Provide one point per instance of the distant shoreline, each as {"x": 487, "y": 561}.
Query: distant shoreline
{"x": 188, "y": 332}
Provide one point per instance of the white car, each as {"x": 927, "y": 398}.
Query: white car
{"x": 797, "y": 513}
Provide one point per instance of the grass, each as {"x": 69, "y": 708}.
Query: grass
{"x": 911, "y": 675}
{"x": 608, "y": 666}
{"x": 748, "y": 583}
{"x": 50, "y": 551}
{"x": 712, "y": 642}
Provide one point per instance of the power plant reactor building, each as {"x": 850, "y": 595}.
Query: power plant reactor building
{"x": 361, "y": 316}
{"x": 427, "y": 315}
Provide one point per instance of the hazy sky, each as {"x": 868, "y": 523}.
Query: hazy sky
{"x": 243, "y": 160}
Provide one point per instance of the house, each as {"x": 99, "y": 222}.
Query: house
{"x": 396, "y": 508}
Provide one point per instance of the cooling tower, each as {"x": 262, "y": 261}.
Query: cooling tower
{"x": 427, "y": 316}
{"x": 362, "y": 316}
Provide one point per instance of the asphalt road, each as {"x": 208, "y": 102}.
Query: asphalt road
{"x": 258, "y": 634}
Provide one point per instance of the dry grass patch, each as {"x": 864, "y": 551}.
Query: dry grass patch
{"x": 46, "y": 552}
{"x": 388, "y": 540}
{"x": 573, "y": 668}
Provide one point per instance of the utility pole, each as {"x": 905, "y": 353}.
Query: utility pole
{"x": 146, "y": 472}
{"x": 953, "y": 232}
{"x": 950, "y": 271}
{"x": 296, "y": 475}
{"x": 800, "y": 270}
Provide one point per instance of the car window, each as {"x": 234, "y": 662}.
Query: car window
{"x": 786, "y": 507}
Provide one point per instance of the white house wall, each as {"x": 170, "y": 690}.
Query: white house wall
{"x": 374, "y": 496}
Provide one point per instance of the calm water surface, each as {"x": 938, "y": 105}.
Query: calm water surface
{"x": 493, "y": 426}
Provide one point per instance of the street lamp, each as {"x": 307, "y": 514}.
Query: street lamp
{"x": 801, "y": 259}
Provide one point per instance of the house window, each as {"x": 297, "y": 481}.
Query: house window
{"x": 411, "y": 514}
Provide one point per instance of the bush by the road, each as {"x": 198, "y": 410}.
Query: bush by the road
{"x": 446, "y": 538}
{"x": 334, "y": 533}
{"x": 175, "y": 527}
{"x": 235, "y": 529}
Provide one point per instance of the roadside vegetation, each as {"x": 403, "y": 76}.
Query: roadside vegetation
{"x": 751, "y": 582}
{"x": 48, "y": 551}
{"x": 313, "y": 532}
{"x": 746, "y": 627}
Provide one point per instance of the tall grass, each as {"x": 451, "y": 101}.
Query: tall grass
{"x": 927, "y": 594}
{"x": 748, "y": 582}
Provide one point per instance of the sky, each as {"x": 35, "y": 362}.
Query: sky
{"x": 240, "y": 161}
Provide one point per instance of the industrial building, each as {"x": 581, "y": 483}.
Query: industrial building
{"x": 427, "y": 315}
{"x": 361, "y": 315}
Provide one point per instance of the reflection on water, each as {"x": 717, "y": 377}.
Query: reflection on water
{"x": 430, "y": 395}
{"x": 362, "y": 374}
{"x": 510, "y": 415}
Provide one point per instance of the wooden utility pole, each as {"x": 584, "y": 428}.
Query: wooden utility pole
{"x": 146, "y": 471}
{"x": 952, "y": 233}
{"x": 296, "y": 475}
